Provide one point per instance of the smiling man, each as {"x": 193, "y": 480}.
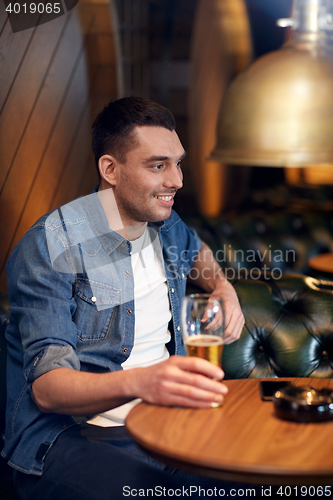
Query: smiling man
{"x": 146, "y": 183}
{"x": 95, "y": 290}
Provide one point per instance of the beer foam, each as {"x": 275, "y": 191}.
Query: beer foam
{"x": 203, "y": 340}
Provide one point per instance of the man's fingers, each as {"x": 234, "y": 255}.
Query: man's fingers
{"x": 183, "y": 400}
{"x": 192, "y": 378}
{"x": 234, "y": 327}
{"x": 196, "y": 381}
{"x": 216, "y": 322}
{"x": 195, "y": 393}
{"x": 235, "y": 333}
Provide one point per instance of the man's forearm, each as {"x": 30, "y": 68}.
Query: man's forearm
{"x": 72, "y": 392}
{"x": 178, "y": 380}
{"x": 206, "y": 273}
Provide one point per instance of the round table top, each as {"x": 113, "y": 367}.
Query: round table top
{"x": 243, "y": 440}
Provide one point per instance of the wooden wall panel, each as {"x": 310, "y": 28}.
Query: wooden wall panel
{"x": 50, "y": 75}
{"x": 3, "y": 17}
{"x": 24, "y": 95}
{"x": 46, "y": 89}
{"x": 45, "y": 111}
{"x": 12, "y": 54}
{"x": 54, "y": 159}
{"x": 72, "y": 172}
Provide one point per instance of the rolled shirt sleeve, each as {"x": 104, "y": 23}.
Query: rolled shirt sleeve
{"x": 42, "y": 306}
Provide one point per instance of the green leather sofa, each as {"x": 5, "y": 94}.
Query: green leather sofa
{"x": 288, "y": 329}
{"x": 288, "y": 332}
{"x": 276, "y": 241}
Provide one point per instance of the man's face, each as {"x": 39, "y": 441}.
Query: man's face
{"x": 150, "y": 177}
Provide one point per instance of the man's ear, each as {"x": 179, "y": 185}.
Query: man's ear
{"x": 107, "y": 169}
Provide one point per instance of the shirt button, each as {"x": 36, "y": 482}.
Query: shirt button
{"x": 129, "y": 311}
{"x": 183, "y": 275}
{"x": 93, "y": 299}
{"x": 173, "y": 290}
{"x": 125, "y": 350}
{"x": 127, "y": 273}
{"x": 178, "y": 328}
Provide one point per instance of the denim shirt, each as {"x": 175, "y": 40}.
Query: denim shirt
{"x": 71, "y": 292}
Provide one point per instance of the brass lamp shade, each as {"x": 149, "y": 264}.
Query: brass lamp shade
{"x": 279, "y": 112}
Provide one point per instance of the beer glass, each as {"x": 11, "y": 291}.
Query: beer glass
{"x": 202, "y": 319}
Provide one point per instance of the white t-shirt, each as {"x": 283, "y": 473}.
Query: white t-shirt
{"x": 152, "y": 315}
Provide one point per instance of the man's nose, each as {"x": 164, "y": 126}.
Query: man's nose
{"x": 174, "y": 177}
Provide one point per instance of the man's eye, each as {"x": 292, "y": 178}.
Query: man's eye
{"x": 158, "y": 167}
{"x": 178, "y": 163}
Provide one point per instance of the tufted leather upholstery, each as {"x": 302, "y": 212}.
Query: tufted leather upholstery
{"x": 280, "y": 241}
{"x": 288, "y": 329}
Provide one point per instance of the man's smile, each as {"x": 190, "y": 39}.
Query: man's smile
{"x": 164, "y": 197}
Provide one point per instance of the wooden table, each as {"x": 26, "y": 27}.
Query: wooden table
{"x": 322, "y": 264}
{"x": 241, "y": 441}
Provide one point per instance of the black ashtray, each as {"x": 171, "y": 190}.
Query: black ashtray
{"x": 304, "y": 404}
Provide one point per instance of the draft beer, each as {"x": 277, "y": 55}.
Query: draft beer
{"x": 203, "y": 326}
{"x": 209, "y": 347}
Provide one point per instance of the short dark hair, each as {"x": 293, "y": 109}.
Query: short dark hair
{"x": 112, "y": 130}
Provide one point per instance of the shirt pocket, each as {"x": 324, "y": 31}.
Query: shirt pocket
{"x": 96, "y": 303}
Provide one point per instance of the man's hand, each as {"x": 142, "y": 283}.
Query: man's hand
{"x": 209, "y": 277}
{"x": 191, "y": 382}
{"x": 234, "y": 318}
{"x": 180, "y": 381}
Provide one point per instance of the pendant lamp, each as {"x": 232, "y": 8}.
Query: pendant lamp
{"x": 279, "y": 112}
